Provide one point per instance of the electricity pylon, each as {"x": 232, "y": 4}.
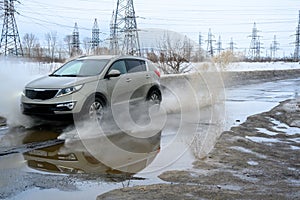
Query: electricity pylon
{"x": 219, "y": 45}
{"x": 95, "y": 37}
{"x": 200, "y": 41}
{"x": 232, "y": 45}
{"x": 10, "y": 40}
{"x": 75, "y": 41}
{"x": 255, "y": 45}
{"x": 125, "y": 28}
{"x": 114, "y": 47}
{"x": 210, "y": 48}
{"x": 274, "y": 48}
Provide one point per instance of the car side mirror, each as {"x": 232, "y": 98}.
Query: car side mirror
{"x": 113, "y": 73}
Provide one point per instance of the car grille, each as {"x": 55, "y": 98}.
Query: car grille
{"x": 45, "y": 109}
{"x": 40, "y": 94}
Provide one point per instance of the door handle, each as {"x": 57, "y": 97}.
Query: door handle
{"x": 148, "y": 76}
{"x": 128, "y": 79}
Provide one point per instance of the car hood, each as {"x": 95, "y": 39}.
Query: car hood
{"x": 53, "y": 82}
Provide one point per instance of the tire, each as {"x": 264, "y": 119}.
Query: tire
{"x": 94, "y": 109}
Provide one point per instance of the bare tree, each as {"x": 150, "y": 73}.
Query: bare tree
{"x": 87, "y": 45}
{"x": 38, "y": 51}
{"x": 174, "y": 53}
{"x": 29, "y": 42}
{"x": 68, "y": 41}
{"x": 151, "y": 55}
{"x": 51, "y": 39}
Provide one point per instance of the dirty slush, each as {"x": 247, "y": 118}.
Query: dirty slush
{"x": 246, "y": 163}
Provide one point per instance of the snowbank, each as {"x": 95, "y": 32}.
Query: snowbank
{"x": 261, "y": 66}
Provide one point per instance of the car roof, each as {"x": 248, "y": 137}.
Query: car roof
{"x": 108, "y": 57}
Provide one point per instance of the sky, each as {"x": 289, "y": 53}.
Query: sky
{"x": 226, "y": 19}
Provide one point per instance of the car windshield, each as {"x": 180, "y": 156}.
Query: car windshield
{"x": 77, "y": 68}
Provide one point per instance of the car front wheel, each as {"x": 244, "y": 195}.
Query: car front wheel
{"x": 94, "y": 109}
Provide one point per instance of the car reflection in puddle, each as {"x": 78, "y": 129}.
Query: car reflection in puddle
{"x": 72, "y": 157}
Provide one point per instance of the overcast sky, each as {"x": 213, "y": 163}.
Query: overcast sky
{"x": 228, "y": 19}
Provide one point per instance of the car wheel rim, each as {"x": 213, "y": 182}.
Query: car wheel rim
{"x": 96, "y": 111}
{"x": 154, "y": 98}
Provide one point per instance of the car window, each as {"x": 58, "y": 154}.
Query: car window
{"x": 119, "y": 65}
{"x": 91, "y": 67}
{"x": 81, "y": 68}
{"x": 135, "y": 65}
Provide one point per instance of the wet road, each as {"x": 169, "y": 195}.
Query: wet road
{"x": 39, "y": 162}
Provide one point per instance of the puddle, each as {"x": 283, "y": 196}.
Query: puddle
{"x": 242, "y": 101}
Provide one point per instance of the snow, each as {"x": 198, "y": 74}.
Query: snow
{"x": 262, "y": 66}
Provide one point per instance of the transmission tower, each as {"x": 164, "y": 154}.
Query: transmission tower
{"x": 10, "y": 40}
{"x": 125, "y": 27}
{"x": 297, "y": 42}
{"x": 232, "y": 45}
{"x": 114, "y": 47}
{"x": 210, "y": 41}
{"x": 75, "y": 41}
{"x": 200, "y": 41}
{"x": 95, "y": 36}
{"x": 255, "y": 45}
{"x": 219, "y": 46}
{"x": 274, "y": 48}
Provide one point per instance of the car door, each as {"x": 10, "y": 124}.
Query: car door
{"x": 118, "y": 88}
{"x": 138, "y": 78}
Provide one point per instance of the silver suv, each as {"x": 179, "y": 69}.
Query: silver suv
{"x": 86, "y": 85}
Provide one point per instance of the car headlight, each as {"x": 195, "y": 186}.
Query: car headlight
{"x": 68, "y": 90}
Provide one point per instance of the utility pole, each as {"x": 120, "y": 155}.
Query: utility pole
{"x": 10, "y": 40}
{"x": 274, "y": 48}
{"x": 75, "y": 41}
{"x": 125, "y": 26}
{"x": 255, "y": 45}
{"x": 95, "y": 37}
{"x": 210, "y": 41}
{"x": 297, "y": 42}
{"x": 219, "y": 45}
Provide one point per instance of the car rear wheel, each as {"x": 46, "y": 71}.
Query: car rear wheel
{"x": 154, "y": 97}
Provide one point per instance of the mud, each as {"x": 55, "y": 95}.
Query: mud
{"x": 259, "y": 159}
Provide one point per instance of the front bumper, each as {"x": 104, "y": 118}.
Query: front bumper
{"x": 47, "y": 109}
{"x": 66, "y": 105}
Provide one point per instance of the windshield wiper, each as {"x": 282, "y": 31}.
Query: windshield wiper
{"x": 56, "y": 75}
{"x": 66, "y": 75}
